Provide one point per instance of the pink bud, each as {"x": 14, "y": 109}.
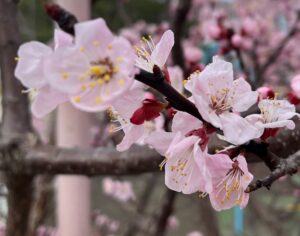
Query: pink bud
{"x": 214, "y": 31}
{"x": 265, "y": 92}
{"x": 295, "y": 84}
{"x": 237, "y": 40}
{"x": 192, "y": 54}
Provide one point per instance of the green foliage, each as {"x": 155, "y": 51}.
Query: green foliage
{"x": 147, "y": 10}
{"x": 34, "y": 23}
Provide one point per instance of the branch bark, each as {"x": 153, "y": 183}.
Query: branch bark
{"x": 178, "y": 27}
{"x": 15, "y": 120}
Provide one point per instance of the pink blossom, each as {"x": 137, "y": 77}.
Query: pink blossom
{"x": 176, "y": 78}
{"x": 155, "y": 54}
{"x": 192, "y": 53}
{"x": 184, "y": 163}
{"x": 230, "y": 178}
{"x": 173, "y": 222}
{"x": 31, "y": 72}
{"x": 265, "y": 92}
{"x": 295, "y": 84}
{"x": 237, "y": 40}
{"x": 216, "y": 94}
{"x": 195, "y": 233}
{"x": 122, "y": 111}
{"x": 274, "y": 114}
{"x": 96, "y": 70}
{"x": 120, "y": 190}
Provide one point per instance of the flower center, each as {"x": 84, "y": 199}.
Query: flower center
{"x": 230, "y": 187}
{"x": 221, "y": 101}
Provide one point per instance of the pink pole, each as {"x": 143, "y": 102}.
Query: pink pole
{"x": 73, "y": 130}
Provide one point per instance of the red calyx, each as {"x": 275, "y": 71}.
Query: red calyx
{"x": 149, "y": 111}
{"x": 53, "y": 10}
{"x": 293, "y": 98}
{"x": 269, "y": 133}
{"x": 202, "y": 134}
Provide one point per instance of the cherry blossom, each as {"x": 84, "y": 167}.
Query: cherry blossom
{"x": 217, "y": 96}
{"x": 30, "y": 70}
{"x": 230, "y": 178}
{"x": 176, "y": 77}
{"x": 96, "y": 70}
{"x": 122, "y": 111}
{"x": 275, "y": 114}
{"x": 155, "y": 54}
{"x": 120, "y": 190}
{"x": 185, "y": 170}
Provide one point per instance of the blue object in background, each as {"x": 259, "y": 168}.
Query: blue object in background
{"x": 238, "y": 220}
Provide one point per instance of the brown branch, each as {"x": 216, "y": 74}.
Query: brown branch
{"x": 166, "y": 210}
{"x": 287, "y": 166}
{"x": 89, "y": 161}
{"x": 178, "y": 27}
{"x": 277, "y": 51}
{"x": 15, "y": 120}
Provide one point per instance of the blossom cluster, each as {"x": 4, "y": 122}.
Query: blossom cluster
{"x": 95, "y": 71}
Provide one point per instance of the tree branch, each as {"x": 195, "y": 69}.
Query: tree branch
{"x": 287, "y": 166}
{"x": 178, "y": 27}
{"x": 277, "y": 51}
{"x": 89, "y": 161}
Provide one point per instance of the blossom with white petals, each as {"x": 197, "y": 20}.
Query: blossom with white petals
{"x": 122, "y": 111}
{"x": 185, "y": 170}
{"x": 274, "y": 114}
{"x": 217, "y": 97}
{"x": 30, "y": 70}
{"x": 155, "y": 54}
{"x": 98, "y": 69}
{"x": 230, "y": 179}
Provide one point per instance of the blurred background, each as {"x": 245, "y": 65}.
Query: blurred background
{"x": 247, "y": 33}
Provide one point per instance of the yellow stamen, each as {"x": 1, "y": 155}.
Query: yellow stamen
{"x": 92, "y": 84}
{"x": 77, "y": 99}
{"x": 17, "y": 58}
{"x": 98, "y": 100}
{"x": 81, "y": 78}
{"x": 82, "y": 49}
{"x": 109, "y": 46}
{"x": 65, "y": 75}
{"x": 96, "y": 43}
{"x": 121, "y": 82}
{"x": 83, "y": 87}
{"x": 106, "y": 77}
{"x": 99, "y": 81}
{"x": 96, "y": 70}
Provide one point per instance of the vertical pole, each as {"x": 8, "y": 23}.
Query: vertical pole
{"x": 238, "y": 220}
{"x": 73, "y": 130}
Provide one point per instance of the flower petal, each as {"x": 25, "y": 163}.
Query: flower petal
{"x": 29, "y": 69}
{"x": 238, "y": 130}
{"x": 162, "y": 50}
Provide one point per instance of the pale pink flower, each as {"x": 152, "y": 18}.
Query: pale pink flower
{"x": 295, "y": 84}
{"x": 237, "y": 40}
{"x": 31, "y": 72}
{"x": 274, "y": 114}
{"x": 155, "y": 54}
{"x": 194, "y": 233}
{"x": 122, "y": 111}
{"x": 216, "y": 94}
{"x": 108, "y": 186}
{"x": 173, "y": 222}
{"x": 265, "y": 92}
{"x": 230, "y": 179}
{"x": 96, "y": 70}
{"x": 192, "y": 53}
{"x": 185, "y": 169}
{"x": 176, "y": 78}
{"x": 120, "y": 190}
